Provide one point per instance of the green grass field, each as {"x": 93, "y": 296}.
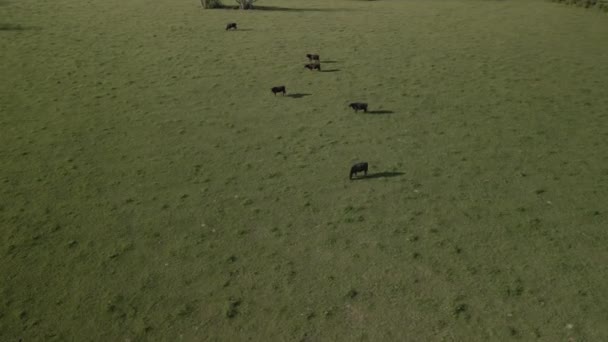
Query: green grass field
{"x": 153, "y": 189}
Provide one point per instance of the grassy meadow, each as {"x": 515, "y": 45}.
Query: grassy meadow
{"x": 153, "y": 189}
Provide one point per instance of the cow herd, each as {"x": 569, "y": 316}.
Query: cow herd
{"x": 315, "y": 64}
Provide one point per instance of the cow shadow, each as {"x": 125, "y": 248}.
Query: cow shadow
{"x": 16, "y": 27}
{"x": 329, "y": 62}
{"x": 380, "y": 175}
{"x": 297, "y": 95}
{"x": 330, "y": 70}
{"x": 293, "y": 9}
{"x": 245, "y": 30}
{"x": 380, "y": 112}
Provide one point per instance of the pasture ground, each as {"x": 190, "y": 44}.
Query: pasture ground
{"x": 153, "y": 188}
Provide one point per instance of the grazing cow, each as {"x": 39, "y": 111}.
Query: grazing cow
{"x": 313, "y": 66}
{"x": 359, "y": 167}
{"x": 231, "y": 26}
{"x": 312, "y": 57}
{"x": 279, "y": 89}
{"x": 357, "y": 106}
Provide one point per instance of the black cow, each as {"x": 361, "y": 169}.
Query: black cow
{"x": 231, "y": 26}
{"x": 312, "y": 57}
{"x": 359, "y": 167}
{"x": 279, "y": 89}
{"x": 357, "y": 106}
{"x": 313, "y": 66}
